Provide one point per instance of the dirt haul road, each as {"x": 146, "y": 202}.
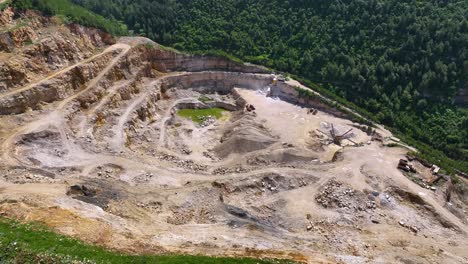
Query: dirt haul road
{"x": 114, "y": 164}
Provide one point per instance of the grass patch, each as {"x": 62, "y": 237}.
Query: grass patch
{"x": 199, "y": 115}
{"x": 4, "y": 5}
{"x": 73, "y": 13}
{"x": 33, "y": 243}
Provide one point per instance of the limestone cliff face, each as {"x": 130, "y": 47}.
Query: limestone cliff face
{"x": 6, "y": 17}
{"x": 74, "y": 55}
{"x": 289, "y": 93}
{"x": 62, "y": 60}
{"x": 218, "y": 81}
{"x": 54, "y": 89}
{"x": 33, "y": 46}
{"x": 166, "y": 60}
{"x": 14, "y": 33}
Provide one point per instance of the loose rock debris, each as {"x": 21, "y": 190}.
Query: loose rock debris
{"x": 337, "y": 195}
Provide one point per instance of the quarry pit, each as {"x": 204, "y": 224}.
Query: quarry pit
{"x": 130, "y": 145}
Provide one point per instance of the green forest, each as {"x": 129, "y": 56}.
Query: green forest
{"x": 72, "y": 13}
{"x": 399, "y": 62}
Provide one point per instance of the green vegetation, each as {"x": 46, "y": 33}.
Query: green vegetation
{"x": 200, "y": 115}
{"x": 4, "y": 4}
{"x": 73, "y": 13}
{"x": 33, "y": 243}
{"x": 20, "y": 24}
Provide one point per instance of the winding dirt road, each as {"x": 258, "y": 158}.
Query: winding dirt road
{"x": 184, "y": 183}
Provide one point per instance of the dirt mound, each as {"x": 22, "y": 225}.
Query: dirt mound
{"x": 290, "y": 155}
{"x": 200, "y": 207}
{"x": 243, "y": 136}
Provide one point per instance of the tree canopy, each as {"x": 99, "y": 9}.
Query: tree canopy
{"x": 73, "y": 13}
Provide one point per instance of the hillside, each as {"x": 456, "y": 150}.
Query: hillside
{"x": 71, "y": 13}
{"x": 402, "y": 63}
{"x": 127, "y": 151}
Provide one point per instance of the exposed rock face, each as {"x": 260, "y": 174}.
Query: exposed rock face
{"x": 166, "y": 60}
{"x": 6, "y": 17}
{"x": 22, "y": 35}
{"x": 6, "y": 43}
{"x": 40, "y": 51}
{"x": 16, "y": 37}
{"x": 289, "y": 93}
{"x": 50, "y": 54}
{"x": 15, "y": 33}
{"x": 54, "y": 89}
{"x": 219, "y": 80}
{"x": 71, "y": 56}
{"x": 75, "y": 44}
{"x": 11, "y": 74}
{"x": 90, "y": 36}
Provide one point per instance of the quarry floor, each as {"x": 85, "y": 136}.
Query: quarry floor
{"x": 132, "y": 175}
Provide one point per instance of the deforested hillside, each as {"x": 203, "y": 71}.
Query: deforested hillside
{"x": 402, "y": 63}
{"x": 164, "y": 156}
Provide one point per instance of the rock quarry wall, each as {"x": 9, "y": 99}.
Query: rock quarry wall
{"x": 290, "y": 94}
{"x": 38, "y": 54}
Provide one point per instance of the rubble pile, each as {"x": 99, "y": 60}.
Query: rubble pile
{"x": 200, "y": 207}
{"x": 337, "y": 195}
{"x": 28, "y": 178}
{"x": 186, "y": 164}
{"x": 22, "y": 176}
{"x": 210, "y": 156}
{"x": 224, "y": 170}
{"x": 269, "y": 183}
{"x": 207, "y": 120}
{"x": 151, "y": 206}
{"x": 107, "y": 171}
